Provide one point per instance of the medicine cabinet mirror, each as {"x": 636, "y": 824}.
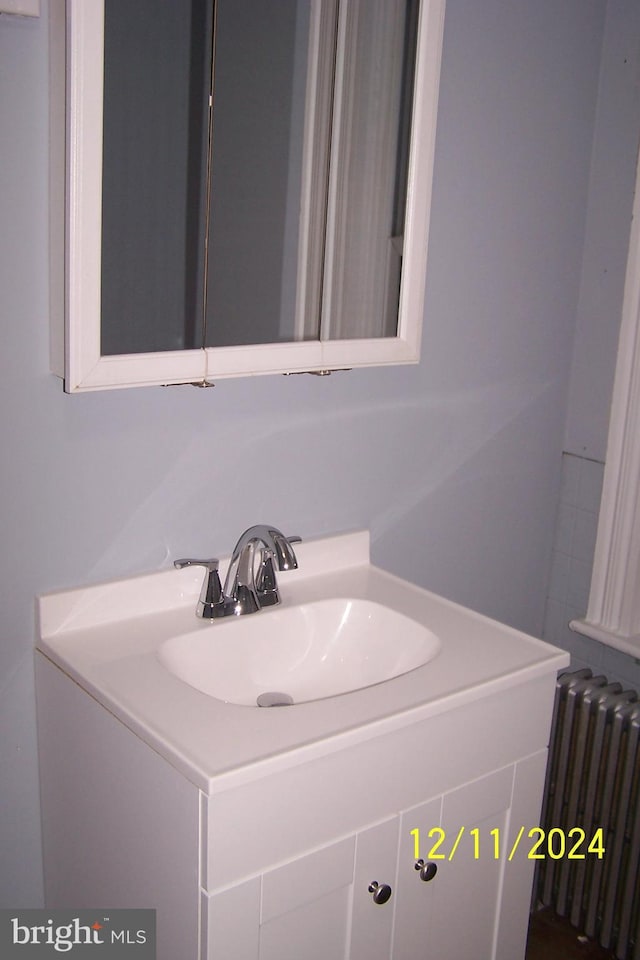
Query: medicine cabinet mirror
{"x": 239, "y": 187}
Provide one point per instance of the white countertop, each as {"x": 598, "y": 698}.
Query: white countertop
{"x": 106, "y": 636}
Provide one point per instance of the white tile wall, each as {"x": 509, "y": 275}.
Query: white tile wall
{"x": 570, "y": 576}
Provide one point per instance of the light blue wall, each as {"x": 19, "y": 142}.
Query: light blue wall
{"x": 610, "y": 200}
{"x": 454, "y": 465}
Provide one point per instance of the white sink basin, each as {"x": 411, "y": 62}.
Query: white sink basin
{"x": 291, "y": 655}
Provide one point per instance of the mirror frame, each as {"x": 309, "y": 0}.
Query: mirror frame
{"x": 76, "y": 65}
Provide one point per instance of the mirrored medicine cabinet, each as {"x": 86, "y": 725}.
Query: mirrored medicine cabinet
{"x": 239, "y": 187}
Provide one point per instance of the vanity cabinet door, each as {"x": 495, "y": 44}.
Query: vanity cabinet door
{"x": 333, "y": 903}
{"x": 467, "y": 889}
{"x": 317, "y": 907}
{"x": 297, "y": 910}
{"x": 374, "y": 891}
{"x": 305, "y": 905}
{"x": 413, "y": 928}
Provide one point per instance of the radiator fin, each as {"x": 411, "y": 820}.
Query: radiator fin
{"x": 593, "y": 782}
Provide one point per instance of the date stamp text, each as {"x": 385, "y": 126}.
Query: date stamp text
{"x": 574, "y": 844}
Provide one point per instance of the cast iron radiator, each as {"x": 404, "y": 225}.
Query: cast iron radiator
{"x": 592, "y": 803}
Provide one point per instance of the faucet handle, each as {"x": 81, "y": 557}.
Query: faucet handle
{"x": 211, "y": 564}
{"x": 211, "y": 602}
{"x": 284, "y": 552}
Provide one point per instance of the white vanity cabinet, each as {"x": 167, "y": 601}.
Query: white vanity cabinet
{"x": 280, "y": 867}
{"x": 270, "y": 834}
{"x": 322, "y": 904}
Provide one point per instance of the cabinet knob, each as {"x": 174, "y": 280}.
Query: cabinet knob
{"x": 381, "y": 891}
{"x": 427, "y": 870}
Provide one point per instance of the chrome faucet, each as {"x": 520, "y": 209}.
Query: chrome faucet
{"x": 250, "y": 583}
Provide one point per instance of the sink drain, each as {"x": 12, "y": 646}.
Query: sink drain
{"x": 272, "y": 699}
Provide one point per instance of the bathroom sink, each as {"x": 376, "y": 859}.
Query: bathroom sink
{"x": 307, "y": 652}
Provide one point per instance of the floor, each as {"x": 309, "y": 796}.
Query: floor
{"x": 553, "y": 938}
